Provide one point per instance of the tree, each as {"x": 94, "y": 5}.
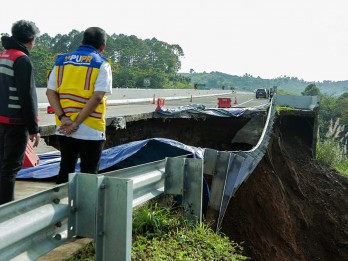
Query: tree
{"x": 43, "y": 60}
{"x": 132, "y": 59}
{"x": 311, "y": 90}
{"x": 326, "y": 113}
{"x": 341, "y": 109}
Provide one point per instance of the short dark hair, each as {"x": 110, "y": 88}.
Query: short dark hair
{"x": 94, "y": 36}
{"x": 24, "y": 31}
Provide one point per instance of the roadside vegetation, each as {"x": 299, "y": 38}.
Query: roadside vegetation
{"x": 135, "y": 62}
{"x": 330, "y": 153}
{"x": 152, "y": 63}
{"x": 332, "y": 142}
{"x": 161, "y": 233}
{"x": 284, "y": 108}
{"x": 332, "y": 149}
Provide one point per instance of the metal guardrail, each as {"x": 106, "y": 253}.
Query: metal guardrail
{"x": 229, "y": 169}
{"x": 33, "y": 226}
{"x": 96, "y": 206}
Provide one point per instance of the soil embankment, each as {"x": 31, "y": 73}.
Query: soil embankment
{"x": 291, "y": 207}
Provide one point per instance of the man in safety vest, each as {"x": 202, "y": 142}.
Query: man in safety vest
{"x": 76, "y": 90}
{"x": 18, "y": 104}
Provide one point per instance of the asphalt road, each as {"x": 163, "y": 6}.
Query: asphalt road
{"x": 125, "y": 102}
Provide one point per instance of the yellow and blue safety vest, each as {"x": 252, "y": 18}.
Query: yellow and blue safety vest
{"x": 76, "y": 73}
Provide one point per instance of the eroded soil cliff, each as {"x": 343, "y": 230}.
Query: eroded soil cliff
{"x": 291, "y": 207}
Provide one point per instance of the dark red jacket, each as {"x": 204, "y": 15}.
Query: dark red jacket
{"x": 18, "y": 99}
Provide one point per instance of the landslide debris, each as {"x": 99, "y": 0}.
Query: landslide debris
{"x": 291, "y": 207}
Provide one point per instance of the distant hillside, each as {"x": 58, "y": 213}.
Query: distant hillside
{"x": 247, "y": 82}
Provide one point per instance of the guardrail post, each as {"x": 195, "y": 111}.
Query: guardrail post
{"x": 184, "y": 177}
{"x": 234, "y": 167}
{"x": 101, "y": 208}
{"x": 82, "y": 202}
{"x": 216, "y": 164}
{"x": 114, "y": 219}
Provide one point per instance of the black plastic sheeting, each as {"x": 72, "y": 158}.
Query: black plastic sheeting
{"x": 199, "y": 109}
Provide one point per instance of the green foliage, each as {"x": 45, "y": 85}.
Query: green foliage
{"x": 154, "y": 220}
{"x": 332, "y": 150}
{"x": 163, "y": 59}
{"x": 247, "y": 82}
{"x": 340, "y": 108}
{"x": 342, "y": 167}
{"x": 160, "y": 233}
{"x": 334, "y": 108}
{"x": 132, "y": 59}
{"x": 326, "y": 113}
{"x": 178, "y": 85}
{"x": 196, "y": 243}
{"x": 42, "y": 61}
{"x": 330, "y": 153}
{"x": 284, "y": 108}
{"x": 285, "y": 92}
{"x": 311, "y": 90}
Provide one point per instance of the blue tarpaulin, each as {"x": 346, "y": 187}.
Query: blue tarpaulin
{"x": 122, "y": 156}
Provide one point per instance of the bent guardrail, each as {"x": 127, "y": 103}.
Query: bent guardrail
{"x": 96, "y": 206}
{"x": 229, "y": 169}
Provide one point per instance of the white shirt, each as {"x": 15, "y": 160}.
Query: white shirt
{"x": 103, "y": 84}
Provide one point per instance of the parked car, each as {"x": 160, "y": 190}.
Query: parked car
{"x": 261, "y": 93}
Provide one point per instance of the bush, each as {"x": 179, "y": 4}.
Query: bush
{"x": 330, "y": 152}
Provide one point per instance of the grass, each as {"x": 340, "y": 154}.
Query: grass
{"x": 332, "y": 150}
{"x": 161, "y": 233}
{"x": 284, "y": 108}
{"x": 331, "y": 154}
{"x": 342, "y": 168}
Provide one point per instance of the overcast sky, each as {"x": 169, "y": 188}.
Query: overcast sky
{"x": 307, "y": 39}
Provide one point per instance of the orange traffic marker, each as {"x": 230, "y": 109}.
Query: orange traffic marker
{"x": 30, "y": 157}
{"x": 160, "y": 103}
{"x": 224, "y": 102}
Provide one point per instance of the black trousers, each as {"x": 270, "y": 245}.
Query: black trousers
{"x": 71, "y": 149}
{"x": 13, "y": 143}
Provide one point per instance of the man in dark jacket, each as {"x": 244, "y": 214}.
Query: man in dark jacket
{"x": 18, "y": 104}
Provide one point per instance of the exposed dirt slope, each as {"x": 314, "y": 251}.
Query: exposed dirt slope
{"x": 291, "y": 207}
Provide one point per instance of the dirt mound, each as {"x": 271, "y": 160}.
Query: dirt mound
{"x": 291, "y": 207}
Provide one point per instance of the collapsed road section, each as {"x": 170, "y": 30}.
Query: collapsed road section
{"x": 234, "y": 139}
{"x": 231, "y": 159}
